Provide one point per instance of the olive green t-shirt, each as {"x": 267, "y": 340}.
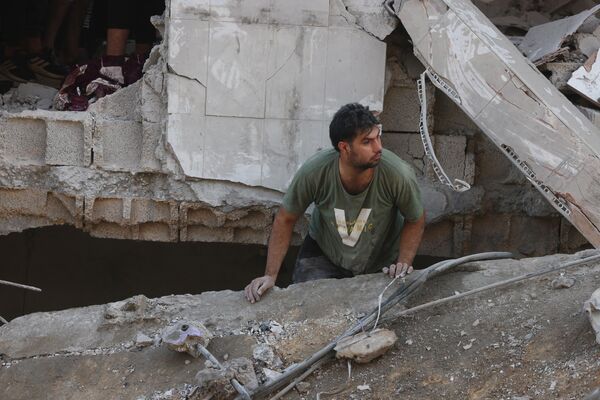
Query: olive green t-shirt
{"x": 359, "y": 232}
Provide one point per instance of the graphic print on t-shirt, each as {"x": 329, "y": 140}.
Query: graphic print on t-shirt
{"x": 350, "y": 239}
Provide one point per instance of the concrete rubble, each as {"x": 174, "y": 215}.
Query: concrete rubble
{"x": 144, "y": 164}
{"x": 497, "y": 344}
{"x": 236, "y": 97}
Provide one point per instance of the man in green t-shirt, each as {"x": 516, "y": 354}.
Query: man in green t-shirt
{"x": 368, "y": 212}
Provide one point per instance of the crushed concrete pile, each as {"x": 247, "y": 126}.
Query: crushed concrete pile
{"x": 562, "y": 41}
{"x": 532, "y": 340}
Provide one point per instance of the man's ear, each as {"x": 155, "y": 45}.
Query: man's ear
{"x": 343, "y": 146}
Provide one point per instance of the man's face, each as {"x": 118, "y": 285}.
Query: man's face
{"x": 365, "y": 150}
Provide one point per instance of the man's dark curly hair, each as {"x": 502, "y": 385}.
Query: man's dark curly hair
{"x": 349, "y": 121}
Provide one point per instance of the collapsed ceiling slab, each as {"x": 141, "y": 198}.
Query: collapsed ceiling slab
{"x": 546, "y": 137}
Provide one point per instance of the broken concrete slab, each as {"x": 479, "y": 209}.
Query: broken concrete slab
{"x": 512, "y": 328}
{"x": 264, "y": 62}
{"x": 512, "y": 103}
{"x": 542, "y": 41}
{"x": 585, "y": 80}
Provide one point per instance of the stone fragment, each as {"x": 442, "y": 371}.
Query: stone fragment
{"x": 127, "y": 311}
{"x": 270, "y": 374}
{"x": 366, "y": 346}
{"x": 214, "y": 382}
{"x": 363, "y": 387}
{"x": 142, "y": 340}
{"x": 476, "y": 322}
{"x": 185, "y": 336}
{"x": 303, "y": 387}
{"x": 562, "y": 282}
{"x": 592, "y": 307}
{"x": 265, "y": 353}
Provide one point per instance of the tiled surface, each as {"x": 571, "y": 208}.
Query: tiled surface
{"x": 259, "y": 82}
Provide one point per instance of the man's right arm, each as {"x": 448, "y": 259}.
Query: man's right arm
{"x": 279, "y": 242}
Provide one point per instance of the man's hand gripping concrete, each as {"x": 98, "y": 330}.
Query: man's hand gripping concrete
{"x": 258, "y": 287}
{"x": 398, "y": 270}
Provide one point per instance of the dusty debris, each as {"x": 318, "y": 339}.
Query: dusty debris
{"x": 214, "y": 382}
{"x": 585, "y": 80}
{"x": 265, "y": 353}
{"x": 542, "y": 43}
{"x": 592, "y": 307}
{"x": 271, "y": 374}
{"x": 560, "y": 73}
{"x": 366, "y": 346}
{"x": 28, "y": 96}
{"x": 563, "y": 282}
{"x": 184, "y": 337}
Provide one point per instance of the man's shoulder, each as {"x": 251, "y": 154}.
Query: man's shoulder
{"x": 318, "y": 161}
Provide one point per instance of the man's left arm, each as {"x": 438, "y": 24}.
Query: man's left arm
{"x": 410, "y": 239}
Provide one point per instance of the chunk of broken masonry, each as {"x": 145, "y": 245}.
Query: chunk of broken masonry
{"x": 214, "y": 383}
{"x": 185, "y": 337}
{"x": 366, "y": 346}
{"x": 592, "y": 307}
{"x": 563, "y": 282}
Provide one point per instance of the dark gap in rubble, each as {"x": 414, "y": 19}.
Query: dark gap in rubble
{"x": 74, "y": 269}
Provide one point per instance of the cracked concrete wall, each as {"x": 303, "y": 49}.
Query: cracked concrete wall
{"x": 235, "y": 99}
{"x": 252, "y": 86}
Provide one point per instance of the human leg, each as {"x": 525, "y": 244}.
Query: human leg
{"x": 312, "y": 264}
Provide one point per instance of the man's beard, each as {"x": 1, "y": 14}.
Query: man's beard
{"x": 365, "y": 166}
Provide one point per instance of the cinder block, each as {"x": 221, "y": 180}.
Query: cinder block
{"x": 118, "y": 145}
{"x": 196, "y": 215}
{"x": 451, "y": 152}
{"x": 110, "y": 230}
{"x": 151, "y": 140}
{"x": 449, "y": 118}
{"x": 124, "y": 104}
{"x": 490, "y": 232}
{"x": 407, "y": 146}
{"x": 251, "y": 236}
{"x": 196, "y": 233}
{"x": 401, "y": 111}
{"x": 63, "y": 208}
{"x": 105, "y": 210}
{"x": 23, "y": 202}
{"x": 66, "y": 143}
{"x": 147, "y": 210}
{"x": 492, "y": 166}
{"x": 155, "y": 232}
{"x": 438, "y": 240}
{"x": 571, "y": 240}
{"x": 254, "y": 219}
{"x": 533, "y": 237}
{"x": 23, "y": 141}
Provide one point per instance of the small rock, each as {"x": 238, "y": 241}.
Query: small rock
{"x": 463, "y": 333}
{"x": 142, "y": 340}
{"x": 263, "y": 352}
{"x": 366, "y": 346}
{"x": 225, "y": 357}
{"x": 562, "y": 282}
{"x": 303, "y": 387}
{"x": 187, "y": 362}
{"x": 476, "y": 322}
{"x": 270, "y": 374}
{"x": 409, "y": 342}
{"x": 363, "y": 387}
{"x": 468, "y": 346}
